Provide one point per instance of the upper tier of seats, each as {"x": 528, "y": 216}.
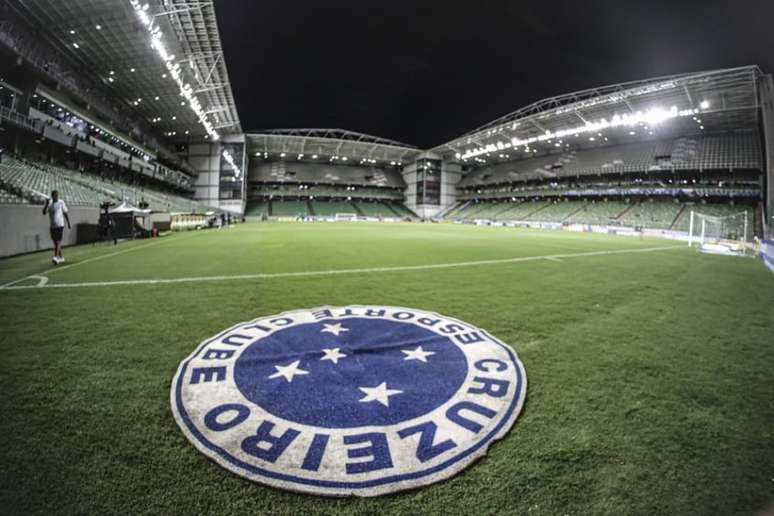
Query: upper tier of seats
{"x": 35, "y": 181}
{"x": 738, "y": 150}
{"x": 290, "y": 172}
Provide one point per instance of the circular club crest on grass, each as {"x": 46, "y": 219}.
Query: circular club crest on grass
{"x": 358, "y": 400}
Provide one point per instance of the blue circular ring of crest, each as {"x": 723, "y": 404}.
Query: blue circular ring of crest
{"x": 356, "y": 400}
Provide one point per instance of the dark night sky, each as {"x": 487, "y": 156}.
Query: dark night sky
{"x": 425, "y": 71}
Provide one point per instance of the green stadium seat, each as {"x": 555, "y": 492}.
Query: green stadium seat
{"x": 331, "y": 208}
{"x": 289, "y": 208}
{"x": 35, "y": 181}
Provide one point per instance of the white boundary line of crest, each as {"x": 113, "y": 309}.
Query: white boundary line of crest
{"x": 305, "y": 274}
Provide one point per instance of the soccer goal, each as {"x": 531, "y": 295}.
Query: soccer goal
{"x": 345, "y": 217}
{"x": 727, "y": 234}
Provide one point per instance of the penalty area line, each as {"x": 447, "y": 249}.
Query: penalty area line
{"x": 335, "y": 272}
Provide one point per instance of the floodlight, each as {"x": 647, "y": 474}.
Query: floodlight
{"x": 173, "y": 67}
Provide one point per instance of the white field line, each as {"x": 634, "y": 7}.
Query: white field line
{"x": 100, "y": 257}
{"x": 304, "y": 274}
{"x": 88, "y": 260}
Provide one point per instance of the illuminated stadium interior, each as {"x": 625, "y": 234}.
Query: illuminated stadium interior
{"x": 657, "y": 147}
{"x": 126, "y": 109}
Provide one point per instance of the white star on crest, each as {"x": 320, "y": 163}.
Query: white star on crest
{"x": 380, "y": 393}
{"x": 333, "y": 328}
{"x": 417, "y": 354}
{"x": 333, "y": 355}
{"x": 288, "y": 371}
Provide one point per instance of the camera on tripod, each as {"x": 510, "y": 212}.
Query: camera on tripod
{"x": 106, "y": 225}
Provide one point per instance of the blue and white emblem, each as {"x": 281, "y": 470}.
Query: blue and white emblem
{"x": 358, "y": 400}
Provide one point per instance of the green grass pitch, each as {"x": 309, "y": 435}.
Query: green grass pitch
{"x": 651, "y": 374}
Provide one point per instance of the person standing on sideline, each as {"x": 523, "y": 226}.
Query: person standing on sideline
{"x": 57, "y": 214}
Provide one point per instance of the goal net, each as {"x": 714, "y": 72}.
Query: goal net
{"x": 728, "y": 234}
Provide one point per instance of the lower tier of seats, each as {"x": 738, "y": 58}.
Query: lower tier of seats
{"x": 289, "y": 208}
{"x": 300, "y": 208}
{"x": 7, "y": 197}
{"x": 33, "y": 182}
{"x": 377, "y": 209}
{"x": 332, "y": 208}
{"x": 652, "y": 214}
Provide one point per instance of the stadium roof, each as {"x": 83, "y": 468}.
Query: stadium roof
{"x": 722, "y": 98}
{"x": 333, "y": 144}
{"x": 110, "y": 42}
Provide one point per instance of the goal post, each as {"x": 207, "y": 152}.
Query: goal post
{"x": 720, "y": 234}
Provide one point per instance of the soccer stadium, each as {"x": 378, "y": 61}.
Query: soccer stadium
{"x": 565, "y": 310}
